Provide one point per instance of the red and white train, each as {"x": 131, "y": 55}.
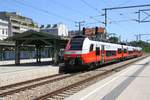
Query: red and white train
{"x": 82, "y": 50}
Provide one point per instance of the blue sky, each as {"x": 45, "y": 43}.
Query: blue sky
{"x": 68, "y": 11}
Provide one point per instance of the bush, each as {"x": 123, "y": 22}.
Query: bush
{"x": 144, "y": 45}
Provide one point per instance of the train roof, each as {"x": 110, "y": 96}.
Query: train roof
{"x": 105, "y": 42}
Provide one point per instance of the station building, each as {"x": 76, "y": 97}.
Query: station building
{"x": 18, "y": 23}
{"x": 3, "y": 29}
{"x": 55, "y": 29}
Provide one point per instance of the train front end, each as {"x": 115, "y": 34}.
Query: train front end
{"x": 73, "y": 51}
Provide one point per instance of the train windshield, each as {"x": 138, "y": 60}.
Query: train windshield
{"x": 77, "y": 43}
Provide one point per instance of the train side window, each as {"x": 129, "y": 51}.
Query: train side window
{"x": 119, "y": 50}
{"x": 110, "y": 53}
{"x": 130, "y": 52}
{"x": 91, "y": 47}
{"x": 125, "y": 50}
{"x": 97, "y": 51}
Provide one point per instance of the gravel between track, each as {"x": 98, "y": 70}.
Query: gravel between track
{"x": 41, "y": 90}
{"x": 47, "y": 88}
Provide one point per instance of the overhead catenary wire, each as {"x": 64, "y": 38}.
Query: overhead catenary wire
{"x": 68, "y": 7}
{"x": 3, "y": 5}
{"x": 129, "y": 19}
{"x": 118, "y": 21}
{"x": 107, "y": 3}
{"x": 16, "y": 6}
{"x": 74, "y": 10}
{"x": 118, "y": 25}
{"x": 96, "y": 19}
{"x": 71, "y": 9}
{"x": 124, "y": 3}
{"x": 47, "y": 12}
{"x": 44, "y": 11}
{"x": 90, "y": 6}
{"x": 91, "y": 23}
{"x": 94, "y": 8}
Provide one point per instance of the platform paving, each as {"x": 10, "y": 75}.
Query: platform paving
{"x": 10, "y": 73}
{"x": 132, "y": 83}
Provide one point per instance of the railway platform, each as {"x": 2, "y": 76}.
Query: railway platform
{"x": 28, "y": 70}
{"x": 23, "y": 61}
{"x": 131, "y": 83}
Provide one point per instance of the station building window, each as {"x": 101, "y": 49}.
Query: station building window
{"x": 3, "y": 31}
{"x": 6, "y": 32}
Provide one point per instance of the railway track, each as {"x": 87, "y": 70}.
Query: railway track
{"x": 59, "y": 86}
{"x": 64, "y": 92}
{"x": 15, "y": 88}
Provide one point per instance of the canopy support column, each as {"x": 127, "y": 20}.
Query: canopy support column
{"x": 38, "y": 54}
{"x": 17, "y": 53}
{"x": 1, "y": 55}
{"x": 55, "y": 52}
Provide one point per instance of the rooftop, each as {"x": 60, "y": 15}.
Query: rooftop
{"x": 15, "y": 15}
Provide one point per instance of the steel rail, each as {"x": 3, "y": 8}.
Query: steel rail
{"x": 78, "y": 84}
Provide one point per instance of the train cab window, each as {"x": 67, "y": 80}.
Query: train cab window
{"x": 97, "y": 51}
{"x": 91, "y": 47}
{"x": 119, "y": 50}
{"x": 125, "y": 50}
{"x": 77, "y": 43}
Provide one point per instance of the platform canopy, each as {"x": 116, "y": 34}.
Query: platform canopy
{"x": 38, "y": 39}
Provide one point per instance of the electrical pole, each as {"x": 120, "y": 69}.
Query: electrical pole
{"x": 140, "y": 35}
{"x": 79, "y": 24}
{"x": 105, "y": 23}
{"x": 125, "y": 7}
{"x": 119, "y": 38}
{"x": 136, "y": 35}
{"x": 147, "y": 40}
{"x": 105, "y": 18}
{"x": 104, "y": 35}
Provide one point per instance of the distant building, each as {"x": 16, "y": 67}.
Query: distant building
{"x": 18, "y": 23}
{"x": 91, "y": 32}
{"x": 73, "y": 33}
{"x": 3, "y": 29}
{"x": 56, "y": 29}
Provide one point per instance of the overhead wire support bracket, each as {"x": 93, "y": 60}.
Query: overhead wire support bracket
{"x": 146, "y": 18}
{"x": 125, "y": 7}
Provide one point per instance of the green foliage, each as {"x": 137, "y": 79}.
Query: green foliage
{"x": 113, "y": 39}
{"x": 144, "y": 45}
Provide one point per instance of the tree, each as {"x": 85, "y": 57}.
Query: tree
{"x": 113, "y": 39}
{"x": 144, "y": 45}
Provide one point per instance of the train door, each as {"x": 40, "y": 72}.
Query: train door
{"x": 103, "y": 53}
{"x": 97, "y": 53}
{"x": 122, "y": 52}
